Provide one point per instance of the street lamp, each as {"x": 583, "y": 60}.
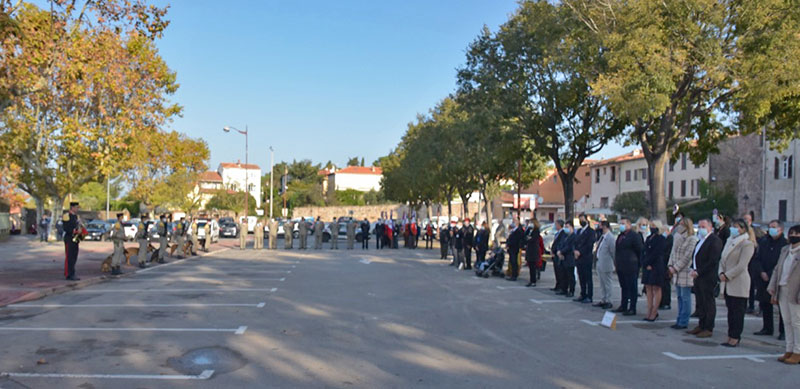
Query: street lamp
{"x": 246, "y": 188}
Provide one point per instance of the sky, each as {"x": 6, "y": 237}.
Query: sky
{"x": 319, "y": 80}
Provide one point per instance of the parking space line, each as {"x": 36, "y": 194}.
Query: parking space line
{"x": 88, "y": 291}
{"x": 751, "y": 357}
{"x": 535, "y": 301}
{"x": 206, "y": 374}
{"x": 237, "y": 331}
{"x": 192, "y": 305}
{"x": 597, "y": 323}
{"x": 511, "y": 287}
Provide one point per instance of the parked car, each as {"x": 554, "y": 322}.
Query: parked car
{"x": 98, "y": 230}
{"x": 225, "y": 220}
{"x": 130, "y": 228}
{"x": 228, "y": 229}
{"x": 201, "y": 232}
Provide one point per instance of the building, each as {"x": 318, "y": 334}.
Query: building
{"x": 231, "y": 177}
{"x": 549, "y": 193}
{"x": 360, "y": 178}
{"x": 208, "y": 183}
{"x": 780, "y": 176}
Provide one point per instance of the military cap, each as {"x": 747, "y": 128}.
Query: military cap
{"x": 74, "y": 204}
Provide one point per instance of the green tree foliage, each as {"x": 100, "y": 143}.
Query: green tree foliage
{"x": 222, "y": 199}
{"x": 350, "y": 197}
{"x": 631, "y": 204}
{"x": 687, "y": 73}
{"x": 92, "y": 195}
{"x": 719, "y": 197}
{"x": 535, "y": 74}
{"x": 353, "y": 161}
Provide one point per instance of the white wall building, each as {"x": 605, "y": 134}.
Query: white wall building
{"x": 781, "y": 200}
{"x": 234, "y": 176}
{"x": 360, "y": 178}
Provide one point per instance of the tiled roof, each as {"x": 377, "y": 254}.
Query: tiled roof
{"x": 210, "y": 176}
{"x": 231, "y": 165}
{"x": 360, "y": 170}
{"x": 633, "y": 155}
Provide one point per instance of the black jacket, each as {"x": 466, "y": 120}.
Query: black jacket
{"x": 514, "y": 241}
{"x": 584, "y": 243}
{"x": 469, "y": 235}
{"x": 444, "y": 236}
{"x": 654, "y": 253}
{"x": 566, "y": 247}
{"x": 629, "y": 248}
{"x": 769, "y": 252}
{"x": 458, "y": 237}
{"x": 554, "y": 246}
{"x": 482, "y": 239}
{"x": 707, "y": 260}
{"x": 532, "y": 237}
{"x": 364, "y": 230}
{"x": 69, "y": 226}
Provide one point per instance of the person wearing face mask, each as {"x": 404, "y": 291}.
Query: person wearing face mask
{"x": 444, "y": 240}
{"x": 784, "y": 287}
{"x": 605, "y": 265}
{"x": 469, "y": 238}
{"x": 654, "y": 267}
{"x": 482, "y": 243}
{"x": 680, "y": 260}
{"x": 705, "y": 262}
{"x": 458, "y": 245}
{"x": 722, "y": 226}
{"x": 566, "y": 253}
{"x": 627, "y": 255}
{"x": 734, "y": 277}
{"x": 513, "y": 245}
{"x": 769, "y": 250}
{"x": 558, "y": 270}
{"x": 584, "y": 243}
{"x": 532, "y": 255}
{"x": 751, "y": 268}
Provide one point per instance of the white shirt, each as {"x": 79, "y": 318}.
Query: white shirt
{"x": 696, "y": 249}
{"x": 787, "y": 267}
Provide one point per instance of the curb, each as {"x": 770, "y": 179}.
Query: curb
{"x": 39, "y": 294}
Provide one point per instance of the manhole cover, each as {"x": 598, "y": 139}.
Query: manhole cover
{"x": 220, "y": 359}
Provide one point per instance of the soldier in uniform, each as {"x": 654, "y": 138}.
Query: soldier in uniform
{"x": 273, "y": 234}
{"x": 118, "y": 237}
{"x": 242, "y": 234}
{"x": 335, "y": 234}
{"x": 258, "y": 235}
{"x": 71, "y": 222}
{"x": 288, "y": 231}
{"x": 319, "y": 227}
{"x": 351, "y": 234}
{"x": 193, "y": 235}
{"x": 207, "y": 234}
{"x": 303, "y": 231}
{"x": 162, "y": 238}
{"x": 180, "y": 236}
{"x": 141, "y": 238}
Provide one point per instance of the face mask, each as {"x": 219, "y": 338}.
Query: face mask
{"x": 567, "y": 230}
{"x": 702, "y": 232}
{"x": 583, "y": 223}
{"x": 734, "y": 232}
{"x": 677, "y": 220}
{"x": 596, "y": 226}
{"x": 459, "y": 225}
{"x": 621, "y": 228}
{"x": 794, "y": 239}
{"x": 643, "y": 228}
{"x": 773, "y": 232}
{"x": 466, "y": 224}
{"x": 654, "y": 230}
{"x": 665, "y": 234}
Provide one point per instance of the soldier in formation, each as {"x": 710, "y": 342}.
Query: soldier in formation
{"x": 258, "y": 235}
{"x": 335, "y": 234}
{"x": 351, "y": 234}
{"x": 141, "y": 239}
{"x": 162, "y": 238}
{"x": 319, "y": 227}
{"x": 273, "y": 234}
{"x": 288, "y": 230}
{"x": 193, "y": 235}
{"x": 303, "y": 230}
{"x": 180, "y": 236}
{"x": 118, "y": 237}
{"x": 207, "y": 235}
{"x": 242, "y": 234}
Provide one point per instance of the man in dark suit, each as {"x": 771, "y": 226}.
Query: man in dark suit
{"x": 513, "y": 245}
{"x": 557, "y": 270}
{"x": 482, "y": 243}
{"x": 566, "y": 253}
{"x": 444, "y": 240}
{"x": 71, "y": 223}
{"x": 469, "y": 242}
{"x": 627, "y": 255}
{"x": 705, "y": 264}
{"x": 584, "y": 244}
{"x": 769, "y": 251}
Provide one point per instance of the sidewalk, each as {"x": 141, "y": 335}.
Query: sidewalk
{"x": 30, "y": 269}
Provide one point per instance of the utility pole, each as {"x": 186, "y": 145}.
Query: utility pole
{"x": 271, "y": 155}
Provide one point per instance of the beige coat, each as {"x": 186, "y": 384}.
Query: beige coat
{"x": 794, "y": 277}
{"x": 681, "y": 258}
{"x": 736, "y": 257}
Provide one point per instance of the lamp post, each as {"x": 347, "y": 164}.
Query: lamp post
{"x": 246, "y": 188}
{"x": 271, "y": 155}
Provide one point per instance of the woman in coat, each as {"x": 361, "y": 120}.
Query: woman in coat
{"x": 784, "y": 287}
{"x": 654, "y": 267}
{"x": 680, "y": 261}
{"x": 735, "y": 278}
{"x": 532, "y": 254}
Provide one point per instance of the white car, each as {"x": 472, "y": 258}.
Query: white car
{"x": 201, "y": 232}
{"x": 130, "y": 227}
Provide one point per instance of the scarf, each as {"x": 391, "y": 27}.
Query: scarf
{"x": 732, "y": 243}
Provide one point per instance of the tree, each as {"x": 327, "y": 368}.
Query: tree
{"x": 688, "y": 73}
{"x": 631, "y": 204}
{"x": 349, "y": 197}
{"x": 536, "y": 72}
{"x": 353, "y": 161}
{"x": 92, "y": 195}
{"x": 231, "y": 201}
{"x": 87, "y": 83}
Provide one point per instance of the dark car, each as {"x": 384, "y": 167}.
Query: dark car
{"x": 228, "y": 229}
{"x": 98, "y": 230}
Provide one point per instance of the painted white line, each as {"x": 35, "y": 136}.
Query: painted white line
{"x": 510, "y": 287}
{"x": 237, "y": 331}
{"x": 261, "y": 305}
{"x": 365, "y": 261}
{"x": 282, "y": 279}
{"x": 198, "y": 280}
{"x": 206, "y": 374}
{"x": 273, "y": 290}
{"x": 665, "y": 321}
{"x": 171, "y": 290}
{"x": 194, "y": 305}
{"x": 535, "y": 301}
{"x": 750, "y": 357}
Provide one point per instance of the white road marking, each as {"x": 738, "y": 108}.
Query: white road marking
{"x": 237, "y": 331}
{"x": 750, "y": 357}
{"x": 206, "y": 374}
{"x": 510, "y": 287}
{"x": 193, "y": 305}
{"x": 365, "y": 261}
{"x": 596, "y": 323}
{"x": 261, "y": 305}
{"x": 200, "y": 280}
{"x": 273, "y": 290}
{"x": 172, "y": 290}
{"x": 535, "y": 301}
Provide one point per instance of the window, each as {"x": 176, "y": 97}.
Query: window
{"x": 782, "y": 210}
{"x": 627, "y": 175}
{"x": 588, "y": 173}
{"x": 683, "y": 188}
{"x": 777, "y": 167}
{"x": 672, "y": 166}
{"x": 613, "y": 173}
{"x": 604, "y": 202}
{"x": 691, "y": 191}
{"x": 636, "y": 175}
{"x": 597, "y": 176}
{"x": 670, "y": 190}
{"x": 643, "y": 174}
{"x": 604, "y": 171}
{"x": 683, "y": 161}
{"x": 783, "y": 169}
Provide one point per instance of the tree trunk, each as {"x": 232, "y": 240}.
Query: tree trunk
{"x": 568, "y": 183}
{"x": 40, "y": 213}
{"x": 658, "y": 200}
{"x": 58, "y": 206}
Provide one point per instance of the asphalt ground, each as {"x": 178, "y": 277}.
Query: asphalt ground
{"x": 352, "y": 318}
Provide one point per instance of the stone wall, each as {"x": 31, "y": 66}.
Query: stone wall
{"x": 739, "y": 165}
